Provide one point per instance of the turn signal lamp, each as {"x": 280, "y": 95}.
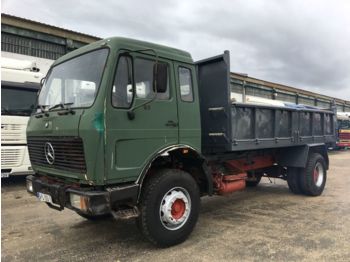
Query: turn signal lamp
{"x": 79, "y": 202}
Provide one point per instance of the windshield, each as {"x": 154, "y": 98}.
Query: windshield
{"x": 74, "y": 82}
{"x": 17, "y": 101}
{"x": 344, "y": 124}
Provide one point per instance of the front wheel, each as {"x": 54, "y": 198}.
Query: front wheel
{"x": 169, "y": 207}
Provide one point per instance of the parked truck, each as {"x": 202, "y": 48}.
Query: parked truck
{"x": 138, "y": 130}
{"x": 19, "y": 87}
{"x": 343, "y": 130}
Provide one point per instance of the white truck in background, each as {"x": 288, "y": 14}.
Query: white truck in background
{"x": 20, "y": 83}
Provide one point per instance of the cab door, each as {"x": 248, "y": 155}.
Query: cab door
{"x": 188, "y": 105}
{"x": 133, "y": 138}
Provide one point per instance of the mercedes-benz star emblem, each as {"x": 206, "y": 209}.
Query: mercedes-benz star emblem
{"x": 49, "y": 153}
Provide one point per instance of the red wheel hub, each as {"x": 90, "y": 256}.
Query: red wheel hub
{"x": 316, "y": 174}
{"x": 178, "y": 209}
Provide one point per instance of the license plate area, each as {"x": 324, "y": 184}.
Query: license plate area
{"x": 5, "y": 173}
{"x": 44, "y": 197}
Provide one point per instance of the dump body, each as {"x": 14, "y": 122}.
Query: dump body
{"x": 228, "y": 126}
{"x": 258, "y": 127}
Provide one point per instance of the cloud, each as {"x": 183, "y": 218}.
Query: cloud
{"x": 294, "y": 42}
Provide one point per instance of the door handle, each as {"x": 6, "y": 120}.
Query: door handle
{"x": 171, "y": 123}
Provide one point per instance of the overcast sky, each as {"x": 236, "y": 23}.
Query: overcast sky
{"x": 301, "y": 43}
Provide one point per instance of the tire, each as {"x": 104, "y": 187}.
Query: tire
{"x": 93, "y": 217}
{"x": 293, "y": 180}
{"x": 169, "y": 207}
{"x": 253, "y": 183}
{"x": 314, "y": 175}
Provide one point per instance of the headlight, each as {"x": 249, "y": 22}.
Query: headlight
{"x": 29, "y": 184}
{"x": 79, "y": 202}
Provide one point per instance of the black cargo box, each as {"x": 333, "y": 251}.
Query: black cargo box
{"x": 228, "y": 126}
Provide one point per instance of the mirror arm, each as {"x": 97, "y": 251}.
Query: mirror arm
{"x": 131, "y": 111}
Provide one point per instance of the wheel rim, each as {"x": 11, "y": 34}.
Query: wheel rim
{"x": 318, "y": 174}
{"x": 175, "y": 208}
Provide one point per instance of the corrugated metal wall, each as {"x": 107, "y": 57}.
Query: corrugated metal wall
{"x": 32, "y": 47}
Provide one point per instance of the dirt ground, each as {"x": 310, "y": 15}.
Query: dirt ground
{"x": 267, "y": 223}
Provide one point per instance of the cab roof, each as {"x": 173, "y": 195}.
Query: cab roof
{"x": 120, "y": 42}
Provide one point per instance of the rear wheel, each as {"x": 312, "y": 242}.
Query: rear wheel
{"x": 169, "y": 207}
{"x": 314, "y": 175}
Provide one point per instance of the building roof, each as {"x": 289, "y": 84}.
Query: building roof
{"x": 47, "y": 29}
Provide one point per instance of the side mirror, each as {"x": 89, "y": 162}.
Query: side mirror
{"x": 160, "y": 77}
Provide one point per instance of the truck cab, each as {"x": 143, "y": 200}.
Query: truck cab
{"x": 139, "y": 130}
{"x": 20, "y": 84}
{"x": 85, "y": 109}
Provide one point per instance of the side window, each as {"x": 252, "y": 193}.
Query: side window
{"x": 144, "y": 80}
{"x": 185, "y": 79}
{"x": 122, "y": 92}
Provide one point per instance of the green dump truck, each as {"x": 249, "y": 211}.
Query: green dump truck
{"x": 138, "y": 130}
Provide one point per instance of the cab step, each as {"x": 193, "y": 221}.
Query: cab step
{"x": 126, "y": 213}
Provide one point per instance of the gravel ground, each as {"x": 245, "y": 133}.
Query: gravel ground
{"x": 266, "y": 223}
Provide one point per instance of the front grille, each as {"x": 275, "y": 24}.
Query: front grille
{"x": 68, "y": 153}
{"x": 11, "y": 157}
{"x": 13, "y": 133}
{"x": 12, "y": 127}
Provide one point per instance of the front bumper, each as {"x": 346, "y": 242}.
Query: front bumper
{"x": 96, "y": 201}
{"x": 17, "y": 171}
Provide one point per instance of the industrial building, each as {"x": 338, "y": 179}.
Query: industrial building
{"x": 245, "y": 86}
{"x": 30, "y": 40}
{"x": 26, "y": 39}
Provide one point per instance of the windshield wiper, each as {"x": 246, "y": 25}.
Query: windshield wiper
{"x": 61, "y": 105}
{"x": 66, "y": 107}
